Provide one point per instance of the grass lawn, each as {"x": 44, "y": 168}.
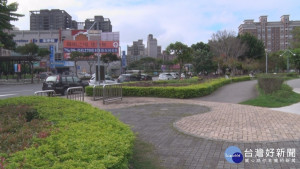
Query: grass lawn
{"x": 283, "y": 97}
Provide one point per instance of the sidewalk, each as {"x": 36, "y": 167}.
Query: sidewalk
{"x": 209, "y": 129}
{"x": 294, "y": 108}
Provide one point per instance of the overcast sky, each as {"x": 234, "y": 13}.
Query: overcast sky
{"x": 187, "y": 21}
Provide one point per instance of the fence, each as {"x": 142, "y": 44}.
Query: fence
{"x": 49, "y": 93}
{"x": 108, "y": 92}
{"x": 75, "y": 93}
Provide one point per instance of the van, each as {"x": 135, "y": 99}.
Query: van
{"x": 60, "y": 83}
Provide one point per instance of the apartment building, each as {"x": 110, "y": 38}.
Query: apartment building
{"x": 276, "y": 35}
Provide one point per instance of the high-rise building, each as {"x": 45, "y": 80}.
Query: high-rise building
{"x": 151, "y": 46}
{"x": 275, "y": 35}
{"x": 53, "y": 19}
{"x": 102, "y": 23}
{"x": 136, "y": 51}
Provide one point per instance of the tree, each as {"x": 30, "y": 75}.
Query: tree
{"x": 256, "y": 48}
{"x": 183, "y": 53}
{"x": 108, "y": 58}
{"x": 296, "y": 59}
{"x": 91, "y": 59}
{"x": 33, "y": 53}
{"x": 227, "y": 49}
{"x": 75, "y": 56}
{"x": 203, "y": 58}
{"x": 7, "y": 14}
{"x": 296, "y": 37}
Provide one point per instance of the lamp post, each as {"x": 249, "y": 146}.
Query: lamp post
{"x": 98, "y": 52}
{"x": 120, "y": 52}
{"x": 288, "y": 61}
{"x": 266, "y": 60}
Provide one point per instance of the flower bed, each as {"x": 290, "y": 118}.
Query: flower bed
{"x": 81, "y": 136}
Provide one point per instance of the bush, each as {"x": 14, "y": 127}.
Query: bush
{"x": 191, "y": 91}
{"x": 269, "y": 84}
{"x": 82, "y": 136}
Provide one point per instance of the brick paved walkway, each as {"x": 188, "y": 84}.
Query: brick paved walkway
{"x": 221, "y": 126}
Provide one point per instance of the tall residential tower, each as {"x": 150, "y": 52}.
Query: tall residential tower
{"x": 275, "y": 35}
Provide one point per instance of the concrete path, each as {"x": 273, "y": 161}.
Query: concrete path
{"x": 295, "y": 108}
{"x": 233, "y": 93}
{"x": 194, "y": 134}
{"x": 172, "y": 126}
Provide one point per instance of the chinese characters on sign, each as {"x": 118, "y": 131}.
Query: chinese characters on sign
{"x": 270, "y": 155}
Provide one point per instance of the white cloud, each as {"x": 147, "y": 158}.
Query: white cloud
{"x": 189, "y": 21}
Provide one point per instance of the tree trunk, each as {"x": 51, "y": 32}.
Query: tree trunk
{"x": 31, "y": 66}
{"x": 75, "y": 63}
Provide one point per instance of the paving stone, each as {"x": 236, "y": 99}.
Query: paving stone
{"x": 153, "y": 119}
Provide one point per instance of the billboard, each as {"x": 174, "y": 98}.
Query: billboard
{"x": 90, "y": 46}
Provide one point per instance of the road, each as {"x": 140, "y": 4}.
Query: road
{"x": 7, "y": 91}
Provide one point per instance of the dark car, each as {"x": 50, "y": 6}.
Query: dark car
{"x": 146, "y": 77}
{"x": 60, "y": 83}
{"x": 127, "y": 78}
{"x": 44, "y": 75}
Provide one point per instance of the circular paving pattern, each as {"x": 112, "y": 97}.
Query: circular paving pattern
{"x": 240, "y": 123}
{"x": 226, "y": 121}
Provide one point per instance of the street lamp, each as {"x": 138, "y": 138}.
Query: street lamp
{"x": 98, "y": 51}
{"x": 120, "y": 51}
{"x": 288, "y": 62}
{"x": 266, "y": 60}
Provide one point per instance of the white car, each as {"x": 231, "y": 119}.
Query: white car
{"x": 175, "y": 75}
{"x": 165, "y": 76}
{"x": 108, "y": 80}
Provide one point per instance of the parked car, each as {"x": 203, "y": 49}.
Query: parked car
{"x": 175, "y": 75}
{"x": 145, "y": 77}
{"x": 83, "y": 75}
{"x": 108, "y": 79}
{"x": 127, "y": 78}
{"x": 165, "y": 76}
{"x": 60, "y": 83}
{"x": 44, "y": 75}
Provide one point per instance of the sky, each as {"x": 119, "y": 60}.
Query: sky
{"x": 186, "y": 21}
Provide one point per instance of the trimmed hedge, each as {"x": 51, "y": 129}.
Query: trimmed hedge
{"x": 191, "y": 91}
{"x": 82, "y": 137}
{"x": 270, "y": 84}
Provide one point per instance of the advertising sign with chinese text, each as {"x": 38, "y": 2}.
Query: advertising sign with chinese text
{"x": 90, "y": 46}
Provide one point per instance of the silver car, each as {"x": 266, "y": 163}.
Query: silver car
{"x": 165, "y": 76}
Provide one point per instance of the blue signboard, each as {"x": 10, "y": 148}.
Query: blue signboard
{"x": 48, "y": 40}
{"x": 52, "y": 58}
{"x": 60, "y": 63}
{"x": 124, "y": 63}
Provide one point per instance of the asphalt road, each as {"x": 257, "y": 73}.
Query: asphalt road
{"x": 233, "y": 93}
{"x": 7, "y": 91}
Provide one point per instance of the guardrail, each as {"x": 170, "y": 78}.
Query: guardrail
{"x": 49, "y": 93}
{"x": 107, "y": 92}
{"x": 75, "y": 93}
{"x": 98, "y": 92}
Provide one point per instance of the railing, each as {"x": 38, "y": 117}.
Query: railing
{"x": 75, "y": 93}
{"x": 112, "y": 92}
{"x": 98, "y": 92}
{"x": 49, "y": 93}
{"x": 107, "y": 92}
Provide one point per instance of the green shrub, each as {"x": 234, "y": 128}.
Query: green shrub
{"x": 283, "y": 97}
{"x": 269, "y": 84}
{"x": 191, "y": 91}
{"x": 82, "y": 137}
